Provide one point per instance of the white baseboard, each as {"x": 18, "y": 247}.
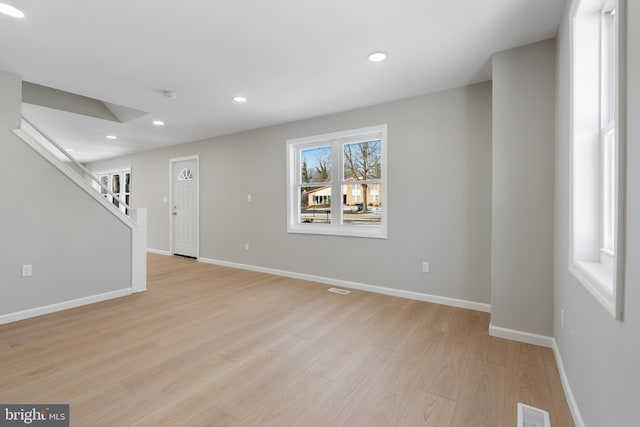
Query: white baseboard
{"x": 571, "y": 400}
{"x": 471, "y": 305}
{"x": 549, "y": 342}
{"x": 525, "y": 337}
{"x": 47, "y": 309}
{"x": 159, "y": 252}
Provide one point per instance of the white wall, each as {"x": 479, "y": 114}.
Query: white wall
{"x": 439, "y": 157}
{"x": 600, "y": 354}
{"x": 523, "y": 179}
{"x": 76, "y": 247}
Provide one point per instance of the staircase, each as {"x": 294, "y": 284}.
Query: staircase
{"x": 136, "y": 221}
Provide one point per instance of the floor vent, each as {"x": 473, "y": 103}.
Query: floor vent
{"x": 528, "y": 416}
{"x": 339, "y": 291}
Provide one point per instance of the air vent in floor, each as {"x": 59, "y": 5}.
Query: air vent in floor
{"x": 528, "y": 416}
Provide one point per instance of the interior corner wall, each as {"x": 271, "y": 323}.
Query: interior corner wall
{"x": 77, "y": 248}
{"x": 439, "y": 183}
{"x": 600, "y": 353}
{"x": 523, "y": 188}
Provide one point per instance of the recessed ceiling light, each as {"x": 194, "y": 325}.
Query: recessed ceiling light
{"x": 69, "y": 150}
{"x": 112, "y": 137}
{"x": 11, "y": 11}
{"x": 377, "y": 56}
{"x": 240, "y": 99}
{"x": 158, "y": 122}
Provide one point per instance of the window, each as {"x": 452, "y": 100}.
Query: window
{"x": 337, "y": 183}
{"x": 355, "y": 193}
{"x": 119, "y": 183}
{"x": 608, "y": 99}
{"x": 185, "y": 175}
{"x": 597, "y": 154}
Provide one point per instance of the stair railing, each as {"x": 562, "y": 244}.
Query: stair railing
{"x": 76, "y": 171}
{"x": 79, "y": 167}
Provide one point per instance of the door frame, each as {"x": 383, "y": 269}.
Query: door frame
{"x": 195, "y": 157}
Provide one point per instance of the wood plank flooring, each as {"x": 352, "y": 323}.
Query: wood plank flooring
{"x": 215, "y": 346}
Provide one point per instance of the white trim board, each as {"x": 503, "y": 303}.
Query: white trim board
{"x": 159, "y": 252}
{"x": 471, "y": 305}
{"x": 521, "y": 336}
{"x": 549, "y": 342}
{"x": 571, "y": 400}
{"x": 65, "y": 305}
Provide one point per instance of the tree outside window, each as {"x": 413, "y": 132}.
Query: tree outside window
{"x": 337, "y": 183}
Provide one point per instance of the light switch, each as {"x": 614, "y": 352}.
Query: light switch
{"x": 27, "y": 270}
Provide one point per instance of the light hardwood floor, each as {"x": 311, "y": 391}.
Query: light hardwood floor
{"x": 216, "y": 346}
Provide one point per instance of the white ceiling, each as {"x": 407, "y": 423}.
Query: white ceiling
{"x": 292, "y": 59}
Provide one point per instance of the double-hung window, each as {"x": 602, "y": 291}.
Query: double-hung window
{"x": 597, "y": 151}
{"x": 337, "y": 183}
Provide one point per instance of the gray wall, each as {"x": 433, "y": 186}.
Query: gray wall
{"x": 599, "y": 353}
{"x": 523, "y": 179}
{"x": 439, "y": 180}
{"x": 76, "y": 247}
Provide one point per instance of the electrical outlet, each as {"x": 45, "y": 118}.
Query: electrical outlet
{"x": 425, "y": 267}
{"x": 248, "y": 197}
{"x": 246, "y": 246}
{"x": 562, "y": 320}
{"x": 27, "y": 270}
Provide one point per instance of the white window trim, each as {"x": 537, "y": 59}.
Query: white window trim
{"x": 608, "y": 195}
{"x": 121, "y": 171}
{"x": 335, "y": 228}
{"x": 601, "y": 274}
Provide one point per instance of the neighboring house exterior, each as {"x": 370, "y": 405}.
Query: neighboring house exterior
{"x": 317, "y": 196}
{"x": 352, "y": 194}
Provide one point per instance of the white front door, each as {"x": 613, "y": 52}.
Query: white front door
{"x": 185, "y": 207}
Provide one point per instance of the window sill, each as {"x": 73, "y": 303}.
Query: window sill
{"x": 598, "y": 279}
{"x": 327, "y": 230}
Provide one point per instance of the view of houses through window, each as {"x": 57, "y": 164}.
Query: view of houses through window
{"x": 337, "y": 181}
{"x": 361, "y": 203}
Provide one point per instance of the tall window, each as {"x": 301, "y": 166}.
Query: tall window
{"x": 337, "y": 183}
{"x": 608, "y": 145}
{"x": 597, "y": 153}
